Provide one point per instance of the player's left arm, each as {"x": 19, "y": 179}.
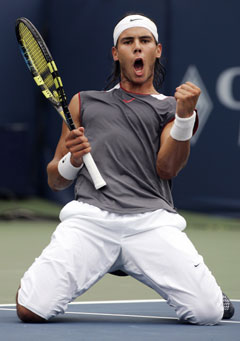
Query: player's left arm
{"x": 173, "y": 154}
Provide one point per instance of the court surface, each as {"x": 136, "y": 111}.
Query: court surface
{"x": 117, "y": 320}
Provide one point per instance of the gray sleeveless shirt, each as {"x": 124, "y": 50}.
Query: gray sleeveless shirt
{"x": 124, "y": 132}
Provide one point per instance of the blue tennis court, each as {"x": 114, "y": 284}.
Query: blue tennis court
{"x": 140, "y": 320}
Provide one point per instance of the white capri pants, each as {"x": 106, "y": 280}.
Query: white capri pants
{"x": 151, "y": 247}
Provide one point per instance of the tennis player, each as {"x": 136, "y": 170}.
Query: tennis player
{"x": 140, "y": 140}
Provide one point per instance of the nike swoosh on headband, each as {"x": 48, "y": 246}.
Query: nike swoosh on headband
{"x": 129, "y": 22}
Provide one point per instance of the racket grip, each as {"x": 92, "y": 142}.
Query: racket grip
{"x": 93, "y": 171}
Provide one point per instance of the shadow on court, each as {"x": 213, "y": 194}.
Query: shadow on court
{"x": 122, "y": 320}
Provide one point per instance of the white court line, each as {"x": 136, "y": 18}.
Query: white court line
{"x": 127, "y": 301}
{"x": 110, "y": 302}
{"x": 120, "y": 315}
{"x": 8, "y": 305}
{"x": 118, "y": 302}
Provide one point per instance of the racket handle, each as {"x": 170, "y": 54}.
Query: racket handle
{"x": 93, "y": 171}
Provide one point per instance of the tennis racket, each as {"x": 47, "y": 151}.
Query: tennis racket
{"x": 46, "y": 76}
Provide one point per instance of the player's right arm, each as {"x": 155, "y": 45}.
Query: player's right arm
{"x": 74, "y": 142}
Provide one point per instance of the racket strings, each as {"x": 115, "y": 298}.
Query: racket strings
{"x": 36, "y": 58}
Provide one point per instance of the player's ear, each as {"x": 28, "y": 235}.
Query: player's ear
{"x": 159, "y": 50}
{"x": 115, "y": 53}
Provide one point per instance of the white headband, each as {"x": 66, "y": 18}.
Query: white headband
{"x": 134, "y": 21}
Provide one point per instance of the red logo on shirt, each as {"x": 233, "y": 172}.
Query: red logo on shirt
{"x": 128, "y": 101}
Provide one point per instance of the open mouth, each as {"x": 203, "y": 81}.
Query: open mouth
{"x": 138, "y": 65}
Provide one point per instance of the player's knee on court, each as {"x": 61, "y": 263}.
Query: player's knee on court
{"x": 28, "y": 316}
{"x": 208, "y": 314}
{"x": 204, "y": 313}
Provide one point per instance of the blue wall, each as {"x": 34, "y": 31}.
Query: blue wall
{"x": 204, "y": 49}
{"x": 200, "y": 44}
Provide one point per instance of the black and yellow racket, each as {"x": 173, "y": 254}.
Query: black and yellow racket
{"x": 45, "y": 73}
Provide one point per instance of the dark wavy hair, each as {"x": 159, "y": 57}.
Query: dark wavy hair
{"x": 159, "y": 69}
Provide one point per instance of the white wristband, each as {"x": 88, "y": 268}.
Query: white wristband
{"x": 66, "y": 169}
{"x": 182, "y": 128}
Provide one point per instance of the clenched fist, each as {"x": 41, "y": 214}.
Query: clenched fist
{"x": 186, "y": 96}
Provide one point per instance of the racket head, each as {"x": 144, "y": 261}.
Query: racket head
{"x": 42, "y": 67}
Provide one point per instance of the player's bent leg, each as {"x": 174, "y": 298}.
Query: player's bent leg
{"x": 78, "y": 255}
{"x": 166, "y": 260}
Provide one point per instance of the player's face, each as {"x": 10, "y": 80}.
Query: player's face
{"x": 136, "y": 52}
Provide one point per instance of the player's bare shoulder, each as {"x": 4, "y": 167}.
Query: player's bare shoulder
{"x": 74, "y": 108}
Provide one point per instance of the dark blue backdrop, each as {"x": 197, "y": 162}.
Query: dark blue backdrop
{"x": 199, "y": 44}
